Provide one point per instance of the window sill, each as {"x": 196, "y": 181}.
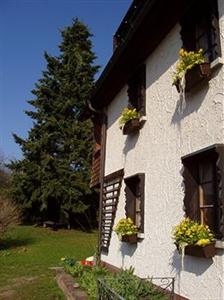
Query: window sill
{"x": 140, "y": 235}
{"x": 219, "y": 244}
{"x": 218, "y": 62}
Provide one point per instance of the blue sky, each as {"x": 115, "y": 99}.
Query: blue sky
{"x": 27, "y": 29}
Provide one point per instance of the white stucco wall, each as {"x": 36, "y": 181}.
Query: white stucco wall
{"x": 167, "y": 136}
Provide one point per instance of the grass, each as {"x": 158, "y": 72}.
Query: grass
{"x": 26, "y": 253}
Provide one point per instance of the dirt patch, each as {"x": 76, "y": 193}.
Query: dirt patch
{"x": 8, "y": 292}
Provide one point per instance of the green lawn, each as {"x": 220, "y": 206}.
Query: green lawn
{"x": 27, "y": 252}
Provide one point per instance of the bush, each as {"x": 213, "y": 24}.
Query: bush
{"x": 9, "y": 214}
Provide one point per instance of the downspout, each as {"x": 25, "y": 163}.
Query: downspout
{"x": 102, "y": 172}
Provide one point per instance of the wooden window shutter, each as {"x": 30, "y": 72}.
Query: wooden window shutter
{"x": 96, "y": 160}
{"x": 137, "y": 90}
{"x": 130, "y": 200}
{"x": 220, "y": 190}
{"x": 142, "y": 197}
{"x": 215, "y": 36}
{"x": 200, "y": 28}
{"x": 191, "y": 205}
{"x": 203, "y": 177}
{"x": 134, "y": 192}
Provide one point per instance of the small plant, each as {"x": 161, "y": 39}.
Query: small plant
{"x": 124, "y": 283}
{"x": 67, "y": 261}
{"x": 128, "y": 114}
{"x": 129, "y": 286}
{"x": 186, "y": 62}
{"x": 125, "y": 227}
{"x": 189, "y": 232}
{"x": 86, "y": 276}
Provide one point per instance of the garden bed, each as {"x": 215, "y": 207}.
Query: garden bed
{"x": 99, "y": 283}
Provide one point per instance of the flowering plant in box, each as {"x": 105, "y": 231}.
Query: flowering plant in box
{"x": 127, "y": 115}
{"x": 189, "y": 232}
{"x": 125, "y": 226}
{"x": 186, "y": 62}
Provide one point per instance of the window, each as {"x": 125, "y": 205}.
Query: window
{"x": 136, "y": 90}
{"x": 95, "y": 172}
{"x": 134, "y": 192}
{"x": 203, "y": 176}
{"x": 200, "y": 28}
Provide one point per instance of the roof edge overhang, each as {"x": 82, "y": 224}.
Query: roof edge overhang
{"x": 154, "y": 21}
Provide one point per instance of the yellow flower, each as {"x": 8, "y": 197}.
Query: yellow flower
{"x": 63, "y": 259}
{"x": 203, "y": 242}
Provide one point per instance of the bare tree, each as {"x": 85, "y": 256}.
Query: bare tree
{"x": 9, "y": 212}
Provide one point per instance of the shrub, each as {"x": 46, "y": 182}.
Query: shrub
{"x": 9, "y": 214}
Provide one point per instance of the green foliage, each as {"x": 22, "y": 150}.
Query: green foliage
{"x": 124, "y": 283}
{"x": 52, "y": 179}
{"x": 186, "y": 62}
{"x": 28, "y": 251}
{"x": 128, "y": 114}
{"x": 125, "y": 226}
{"x": 130, "y": 287}
{"x": 67, "y": 261}
{"x": 189, "y": 232}
{"x": 87, "y": 276}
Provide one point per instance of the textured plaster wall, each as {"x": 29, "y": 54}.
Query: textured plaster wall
{"x": 166, "y": 136}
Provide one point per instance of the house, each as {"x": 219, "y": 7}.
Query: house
{"x": 172, "y": 165}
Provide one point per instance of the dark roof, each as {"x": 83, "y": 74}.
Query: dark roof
{"x": 144, "y": 26}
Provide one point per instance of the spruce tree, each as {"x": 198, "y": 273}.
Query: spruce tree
{"x": 53, "y": 177}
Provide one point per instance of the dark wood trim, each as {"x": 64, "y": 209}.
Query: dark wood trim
{"x": 137, "y": 180}
{"x": 158, "y": 16}
{"x": 102, "y": 170}
{"x": 198, "y": 152}
{"x": 109, "y": 206}
{"x": 114, "y": 175}
{"x": 220, "y": 188}
{"x": 214, "y": 153}
{"x": 110, "y": 267}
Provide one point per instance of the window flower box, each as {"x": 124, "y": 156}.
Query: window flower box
{"x": 132, "y": 239}
{"x": 131, "y": 126}
{"x": 192, "y": 238}
{"x": 127, "y": 231}
{"x": 195, "y": 75}
{"x": 207, "y": 251}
